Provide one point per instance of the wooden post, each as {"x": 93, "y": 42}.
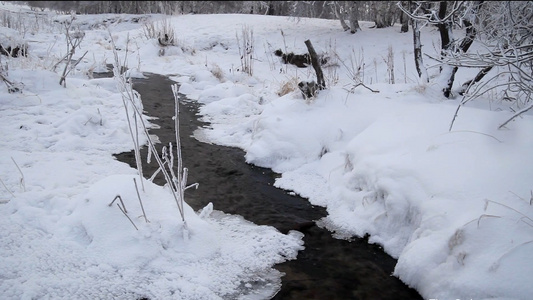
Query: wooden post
{"x": 316, "y": 65}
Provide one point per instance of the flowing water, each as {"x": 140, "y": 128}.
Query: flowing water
{"x": 328, "y": 268}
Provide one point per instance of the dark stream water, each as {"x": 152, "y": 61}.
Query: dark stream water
{"x": 328, "y": 268}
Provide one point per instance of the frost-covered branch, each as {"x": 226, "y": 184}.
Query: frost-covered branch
{"x": 462, "y": 13}
{"x": 505, "y": 34}
{"x": 516, "y": 115}
{"x": 423, "y": 12}
{"x": 129, "y": 97}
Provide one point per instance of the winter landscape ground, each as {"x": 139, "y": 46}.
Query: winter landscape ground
{"x": 454, "y": 207}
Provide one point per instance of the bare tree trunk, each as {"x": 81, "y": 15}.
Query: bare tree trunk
{"x": 443, "y": 28}
{"x": 463, "y": 47}
{"x": 340, "y": 15}
{"x": 479, "y": 76}
{"x": 404, "y": 19}
{"x": 445, "y": 33}
{"x": 271, "y": 10}
{"x": 384, "y": 13}
{"x": 419, "y": 62}
{"x": 447, "y": 90}
{"x": 354, "y": 17}
{"x": 316, "y": 65}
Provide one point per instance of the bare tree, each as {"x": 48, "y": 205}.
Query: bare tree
{"x": 404, "y": 19}
{"x": 354, "y": 17}
{"x": 505, "y": 31}
{"x": 384, "y": 13}
{"x": 339, "y": 12}
{"x": 73, "y": 39}
{"x": 445, "y": 28}
{"x": 347, "y": 10}
{"x": 444, "y": 15}
{"x": 414, "y": 10}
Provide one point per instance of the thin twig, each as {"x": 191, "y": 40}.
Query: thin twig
{"x": 496, "y": 264}
{"x": 485, "y": 216}
{"x": 119, "y": 198}
{"x": 140, "y": 201}
{"x": 7, "y": 188}
{"x": 74, "y": 64}
{"x": 170, "y": 164}
{"x": 516, "y": 115}
{"x": 71, "y": 50}
{"x": 60, "y": 61}
{"x": 156, "y": 156}
{"x": 11, "y": 87}
{"x": 470, "y": 131}
{"x": 127, "y": 216}
{"x": 463, "y": 101}
{"x": 195, "y": 185}
{"x": 155, "y": 173}
{"x": 22, "y": 182}
{"x": 520, "y": 213}
{"x": 362, "y": 84}
{"x": 128, "y": 94}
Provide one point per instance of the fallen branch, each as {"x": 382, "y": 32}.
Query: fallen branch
{"x": 362, "y": 84}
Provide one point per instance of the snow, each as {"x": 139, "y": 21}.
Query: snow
{"x": 453, "y": 206}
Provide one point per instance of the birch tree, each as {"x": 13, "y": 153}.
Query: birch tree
{"x": 444, "y": 15}
{"x": 415, "y": 12}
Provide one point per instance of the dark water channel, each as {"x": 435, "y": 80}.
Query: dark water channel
{"x": 327, "y": 269}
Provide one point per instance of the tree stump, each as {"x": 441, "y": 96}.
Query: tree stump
{"x": 309, "y": 89}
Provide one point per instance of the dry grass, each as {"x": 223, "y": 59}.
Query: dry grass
{"x": 288, "y": 86}
{"x": 217, "y": 72}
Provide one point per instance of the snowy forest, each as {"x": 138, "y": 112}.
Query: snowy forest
{"x": 253, "y": 150}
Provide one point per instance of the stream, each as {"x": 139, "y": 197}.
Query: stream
{"x": 328, "y": 268}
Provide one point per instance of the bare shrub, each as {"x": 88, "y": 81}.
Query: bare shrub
{"x": 160, "y": 30}
{"x": 132, "y": 103}
{"x": 355, "y": 67}
{"x": 28, "y": 22}
{"x": 246, "y": 49}
{"x": 73, "y": 37}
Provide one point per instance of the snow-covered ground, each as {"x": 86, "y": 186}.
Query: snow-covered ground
{"x": 454, "y": 207}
